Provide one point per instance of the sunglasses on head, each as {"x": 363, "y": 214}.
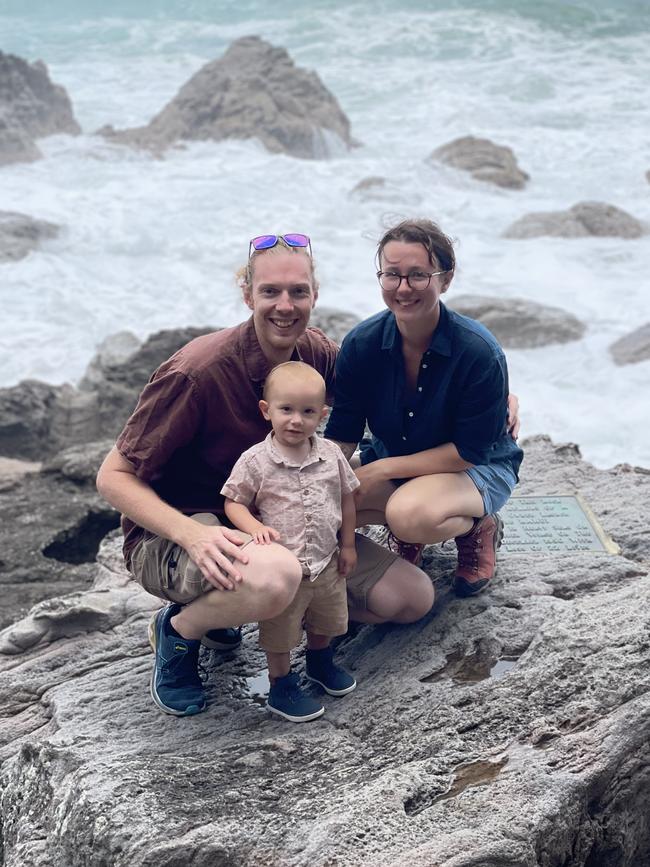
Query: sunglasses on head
{"x": 265, "y": 242}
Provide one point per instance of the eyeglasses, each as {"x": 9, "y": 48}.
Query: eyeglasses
{"x": 265, "y": 242}
{"x": 390, "y": 281}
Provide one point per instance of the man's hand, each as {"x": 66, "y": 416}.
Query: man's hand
{"x": 265, "y": 535}
{"x": 347, "y": 560}
{"x": 513, "y": 423}
{"x": 212, "y": 548}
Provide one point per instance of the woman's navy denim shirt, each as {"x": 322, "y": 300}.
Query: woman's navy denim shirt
{"x": 460, "y": 396}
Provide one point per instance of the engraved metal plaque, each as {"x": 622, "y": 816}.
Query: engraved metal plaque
{"x": 552, "y": 525}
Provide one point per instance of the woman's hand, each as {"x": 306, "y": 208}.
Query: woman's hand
{"x": 513, "y": 422}
{"x": 371, "y": 477}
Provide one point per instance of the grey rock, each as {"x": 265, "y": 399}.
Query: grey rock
{"x": 518, "y": 323}
{"x": 253, "y": 91}
{"x": 20, "y": 234}
{"x": 430, "y": 761}
{"x": 633, "y": 347}
{"x": 581, "y": 221}
{"x": 31, "y": 107}
{"x": 51, "y": 524}
{"x": 113, "y": 351}
{"x": 484, "y": 160}
{"x": 335, "y": 323}
{"x": 37, "y": 420}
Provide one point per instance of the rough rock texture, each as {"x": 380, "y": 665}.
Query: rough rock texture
{"x": 633, "y": 347}
{"x": 430, "y": 761}
{"x": 20, "y": 234}
{"x": 484, "y": 160}
{"x": 31, "y": 107}
{"x": 335, "y": 323}
{"x": 518, "y": 323}
{"x": 253, "y": 91}
{"x": 51, "y": 524}
{"x": 37, "y": 420}
{"x": 580, "y": 221}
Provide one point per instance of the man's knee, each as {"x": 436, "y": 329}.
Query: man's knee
{"x": 419, "y": 603}
{"x": 280, "y": 582}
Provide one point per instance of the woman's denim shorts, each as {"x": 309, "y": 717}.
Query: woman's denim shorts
{"x": 495, "y": 483}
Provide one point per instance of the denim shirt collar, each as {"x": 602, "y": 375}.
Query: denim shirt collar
{"x": 440, "y": 339}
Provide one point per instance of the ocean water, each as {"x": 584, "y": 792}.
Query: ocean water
{"x": 149, "y": 244}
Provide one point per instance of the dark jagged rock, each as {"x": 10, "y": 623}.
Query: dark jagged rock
{"x": 32, "y": 107}
{"x": 20, "y": 234}
{"x": 580, "y": 221}
{"x": 518, "y": 323}
{"x": 335, "y": 323}
{"x": 632, "y": 348}
{"x": 432, "y": 760}
{"x": 253, "y": 91}
{"x": 484, "y": 160}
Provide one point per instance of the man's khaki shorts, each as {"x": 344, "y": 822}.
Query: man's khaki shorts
{"x": 320, "y": 605}
{"x": 165, "y": 570}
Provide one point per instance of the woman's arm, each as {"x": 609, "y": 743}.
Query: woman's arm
{"x": 441, "y": 459}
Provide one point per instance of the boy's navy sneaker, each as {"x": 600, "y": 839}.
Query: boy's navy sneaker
{"x": 222, "y": 639}
{"x": 322, "y": 669}
{"x": 175, "y": 683}
{"x": 288, "y": 699}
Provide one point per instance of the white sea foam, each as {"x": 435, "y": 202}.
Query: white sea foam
{"x": 149, "y": 243}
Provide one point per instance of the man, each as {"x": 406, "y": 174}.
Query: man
{"x": 193, "y": 420}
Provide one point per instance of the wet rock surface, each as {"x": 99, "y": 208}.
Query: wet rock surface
{"x": 633, "y": 347}
{"x": 484, "y": 160}
{"x": 253, "y": 91}
{"x": 20, "y": 234}
{"x": 518, "y": 323}
{"x": 581, "y": 221}
{"x": 32, "y": 107}
{"x": 434, "y": 759}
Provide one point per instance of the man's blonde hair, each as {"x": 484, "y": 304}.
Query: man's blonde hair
{"x": 296, "y": 371}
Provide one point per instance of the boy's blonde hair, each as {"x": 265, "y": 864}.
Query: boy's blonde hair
{"x": 297, "y": 371}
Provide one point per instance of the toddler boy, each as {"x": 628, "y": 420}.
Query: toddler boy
{"x": 301, "y": 487}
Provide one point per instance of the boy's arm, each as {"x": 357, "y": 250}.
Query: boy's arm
{"x": 241, "y": 517}
{"x": 348, "y": 552}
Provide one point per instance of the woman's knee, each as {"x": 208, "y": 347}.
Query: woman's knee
{"x": 411, "y": 519}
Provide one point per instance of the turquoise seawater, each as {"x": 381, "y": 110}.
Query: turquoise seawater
{"x": 150, "y": 243}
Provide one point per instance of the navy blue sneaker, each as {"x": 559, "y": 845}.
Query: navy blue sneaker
{"x": 288, "y": 699}
{"x": 322, "y": 669}
{"x": 222, "y": 639}
{"x": 175, "y": 683}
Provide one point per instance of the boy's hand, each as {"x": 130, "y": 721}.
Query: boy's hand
{"x": 265, "y": 535}
{"x": 347, "y": 560}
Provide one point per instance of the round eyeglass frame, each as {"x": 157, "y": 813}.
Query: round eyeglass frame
{"x": 407, "y": 277}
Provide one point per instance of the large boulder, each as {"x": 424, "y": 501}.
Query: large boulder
{"x": 484, "y": 160}
{"x": 51, "y": 523}
{"x": 31, "y": 107}
{"x": 510, "y": 730}
{"x": 580, "y": 221}
{"x": 633, "y": 347}
{"x": 335, "y": 323}
{"x": 517, "y": 323}
{"x": 37, "y": 420}
{"x": 253, "y": 91}
{"x": 20, "y": 234}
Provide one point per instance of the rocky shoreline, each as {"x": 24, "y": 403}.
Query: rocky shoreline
{"x": 504, "y": 731}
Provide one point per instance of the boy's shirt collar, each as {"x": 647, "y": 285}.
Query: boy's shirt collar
{"x": 316, "y": 452}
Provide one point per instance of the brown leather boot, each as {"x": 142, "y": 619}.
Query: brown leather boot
{"x": 409, "y": 551}
{"x": 477, "y": 555}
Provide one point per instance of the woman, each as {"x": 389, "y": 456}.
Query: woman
{"x": 433, "y": 387}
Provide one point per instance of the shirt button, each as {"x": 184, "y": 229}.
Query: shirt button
{"x": 424, "y": 365}
{"x": 403, "y": 438}
{"x": 419, "y": 388}
{"x": 411, "y": 415}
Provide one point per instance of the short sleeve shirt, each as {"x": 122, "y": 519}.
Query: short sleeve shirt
{"x": 301, "y": 501}
{"x": 460, "y": 395}
{"x": 200, "y": 411}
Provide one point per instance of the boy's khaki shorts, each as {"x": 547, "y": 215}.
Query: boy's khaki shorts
{"x": 166, "y": 571}
{"x": 320, "y": 606}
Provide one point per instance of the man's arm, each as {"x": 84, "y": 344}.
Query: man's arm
{"x": 208, "y": 546}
